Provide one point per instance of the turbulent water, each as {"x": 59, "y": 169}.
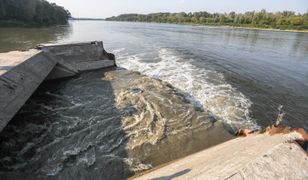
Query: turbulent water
{"x": 105, "y": 125}
{"x": 210, "y": 75}
{"x": 205, "y": 88}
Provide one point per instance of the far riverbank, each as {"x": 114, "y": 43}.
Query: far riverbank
{"x": 252, "y": 28}
{"x": 222, "y": 26}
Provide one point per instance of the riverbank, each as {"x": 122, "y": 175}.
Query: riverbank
{"x": 16, "y": 23}
{"x": 255, "y": 19}
{"x": 253, "y": 28}
{"x": 225, "y": 26}
{"x": 23, "y": 13}
{"x": 25, "y": 24}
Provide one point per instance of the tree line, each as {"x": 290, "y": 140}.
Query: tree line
{"x": 34, "y": 12}
{"x": 258, "y": 19}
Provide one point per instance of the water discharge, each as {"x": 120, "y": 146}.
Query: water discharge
{"x": 105, "y": 125}
{"x": 205, "y": 88}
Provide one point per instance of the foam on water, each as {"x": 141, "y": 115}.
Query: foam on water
{"x": 204, "y": 88}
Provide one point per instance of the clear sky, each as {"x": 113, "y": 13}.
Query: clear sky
{"x": 107, "y": 8}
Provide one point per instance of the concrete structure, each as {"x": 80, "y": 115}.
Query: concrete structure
{"x": 260, "y": 156}
{"x": 22, "y": 72}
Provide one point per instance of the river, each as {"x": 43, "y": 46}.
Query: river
{"x": 222, "y": 68}
{"x": 244, "y": 78}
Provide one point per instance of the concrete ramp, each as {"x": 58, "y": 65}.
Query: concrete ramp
{"x": 260, "y": 156}
{"x": 22, "y": 72}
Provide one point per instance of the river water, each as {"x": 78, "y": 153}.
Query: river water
{"x": 236, "y": 76}
{"x": 224, "y": 69}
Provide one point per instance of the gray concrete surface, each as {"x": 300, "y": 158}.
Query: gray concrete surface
{"x": 22, "y": 72}
{"x": 81, "y": 56}
{"x": 255, "y": 157}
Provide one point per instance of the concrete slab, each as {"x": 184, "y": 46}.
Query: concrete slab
{"x": 19, "y": 82}
{"x": 81, "y": 56}
{"x": 21, "y": 72}
{"x": 255, "y": 157}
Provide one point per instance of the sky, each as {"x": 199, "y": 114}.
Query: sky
{"x": 107, "y": 8}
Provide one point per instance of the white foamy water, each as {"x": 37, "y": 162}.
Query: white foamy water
{"x": 204, "y": 88}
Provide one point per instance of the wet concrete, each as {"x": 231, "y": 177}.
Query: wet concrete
{"x": 21, "y": 72}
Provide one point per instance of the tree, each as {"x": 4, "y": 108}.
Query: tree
{"x": 263, "y": 19}
{"x": 38, "y": 12}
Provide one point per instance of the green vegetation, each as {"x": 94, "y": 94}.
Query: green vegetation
{"x": 31, "y": 12}
{"x": 286, "y": 20}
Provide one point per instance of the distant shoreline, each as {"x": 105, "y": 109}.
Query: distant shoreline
{"x": 221, "y": 26}
{"x": 261, "y": 20}
{"x": 87, "y": 19}
{"x": 253, "y": 28}
{"x": 22, "y": 24}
